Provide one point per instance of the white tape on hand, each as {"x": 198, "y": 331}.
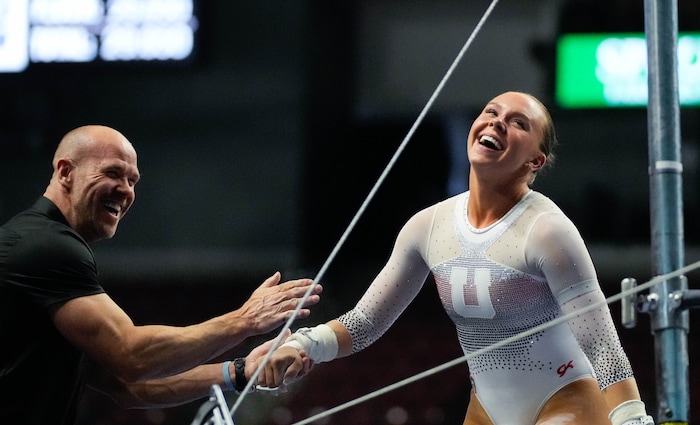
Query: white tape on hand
{"x": 631, "y": 412}
{"x": 319, "y": 343}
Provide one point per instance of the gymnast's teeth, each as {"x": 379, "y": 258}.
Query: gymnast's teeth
{"x": 490, "y": 142}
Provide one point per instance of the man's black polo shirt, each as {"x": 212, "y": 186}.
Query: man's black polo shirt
{"x": 42, "y": 262}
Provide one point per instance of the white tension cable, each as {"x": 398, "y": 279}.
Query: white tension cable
{"x": 319, "y": 343}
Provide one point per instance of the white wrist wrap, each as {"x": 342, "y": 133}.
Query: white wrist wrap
{"x": 631, "y": 412}
{"x": 320, "y": 343}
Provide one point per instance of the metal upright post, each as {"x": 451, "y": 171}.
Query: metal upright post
{"x": 669, "y": 322}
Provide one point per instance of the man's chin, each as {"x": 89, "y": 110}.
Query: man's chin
{"x": 109, "y": 234}
{"x": 102, "y": 234}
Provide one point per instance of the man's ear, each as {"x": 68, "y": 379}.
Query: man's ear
{"x": 64, "y": 171}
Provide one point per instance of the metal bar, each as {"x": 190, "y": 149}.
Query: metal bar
{"x": 691, "y": 299}
{"x": 669, "y": 324}
{"x": 628, "y": 304}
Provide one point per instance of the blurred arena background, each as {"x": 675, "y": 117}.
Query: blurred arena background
{"x": 260, "y": 143}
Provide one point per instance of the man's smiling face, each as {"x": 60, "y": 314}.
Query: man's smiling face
{"x": 103, "y": 184}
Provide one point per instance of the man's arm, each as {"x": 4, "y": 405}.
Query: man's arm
{"x": 100, "y": 328}
{"x": 174, "y": 390}
{"x": 161, "y": 392}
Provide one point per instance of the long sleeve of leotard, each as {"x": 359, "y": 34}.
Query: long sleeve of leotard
{"x": 396, "y": 285}
{"x": 556, "y": 248}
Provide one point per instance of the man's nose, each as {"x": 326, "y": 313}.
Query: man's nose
{"x": 125, "y": 186}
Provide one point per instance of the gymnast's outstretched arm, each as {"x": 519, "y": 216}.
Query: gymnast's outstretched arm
{"x": 391, "y": 291}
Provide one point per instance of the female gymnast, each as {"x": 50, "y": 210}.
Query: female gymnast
{"x": 505, "y": 259}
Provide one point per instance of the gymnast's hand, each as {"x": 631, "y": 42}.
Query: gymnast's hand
{"x": 286, "y": 365}
{"x": 273, "y": 303}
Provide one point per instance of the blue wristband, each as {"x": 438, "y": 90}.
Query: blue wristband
{"x": 227, "y": 376}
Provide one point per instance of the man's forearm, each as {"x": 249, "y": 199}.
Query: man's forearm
{"x": 171, "y": 391}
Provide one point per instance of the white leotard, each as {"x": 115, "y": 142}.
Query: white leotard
{"x": 526, "y": 269}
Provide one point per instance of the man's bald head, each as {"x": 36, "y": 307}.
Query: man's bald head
{"x": 82, "y": 141}
{"x": 94, "y": 174}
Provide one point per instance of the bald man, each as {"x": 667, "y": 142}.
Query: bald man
{"x": 55, "y": 317}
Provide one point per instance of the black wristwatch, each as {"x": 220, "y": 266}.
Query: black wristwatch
{"x": 239, "y": 368}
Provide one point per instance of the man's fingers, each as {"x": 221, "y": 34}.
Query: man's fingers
{"x": 272, "y": 280}
{"x": 313, "y": 299}
{"x": 294, "y": 371}
{"x": 299, "y": 292}
{"x": 300, "y": 285}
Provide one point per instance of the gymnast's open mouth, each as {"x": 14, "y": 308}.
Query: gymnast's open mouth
{"x": 490, "y": 143}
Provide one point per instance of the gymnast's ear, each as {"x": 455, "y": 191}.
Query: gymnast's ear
{"x": 537, "y": 163}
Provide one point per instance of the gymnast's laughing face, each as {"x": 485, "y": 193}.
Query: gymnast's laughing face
{"x": 507, "y": 135}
